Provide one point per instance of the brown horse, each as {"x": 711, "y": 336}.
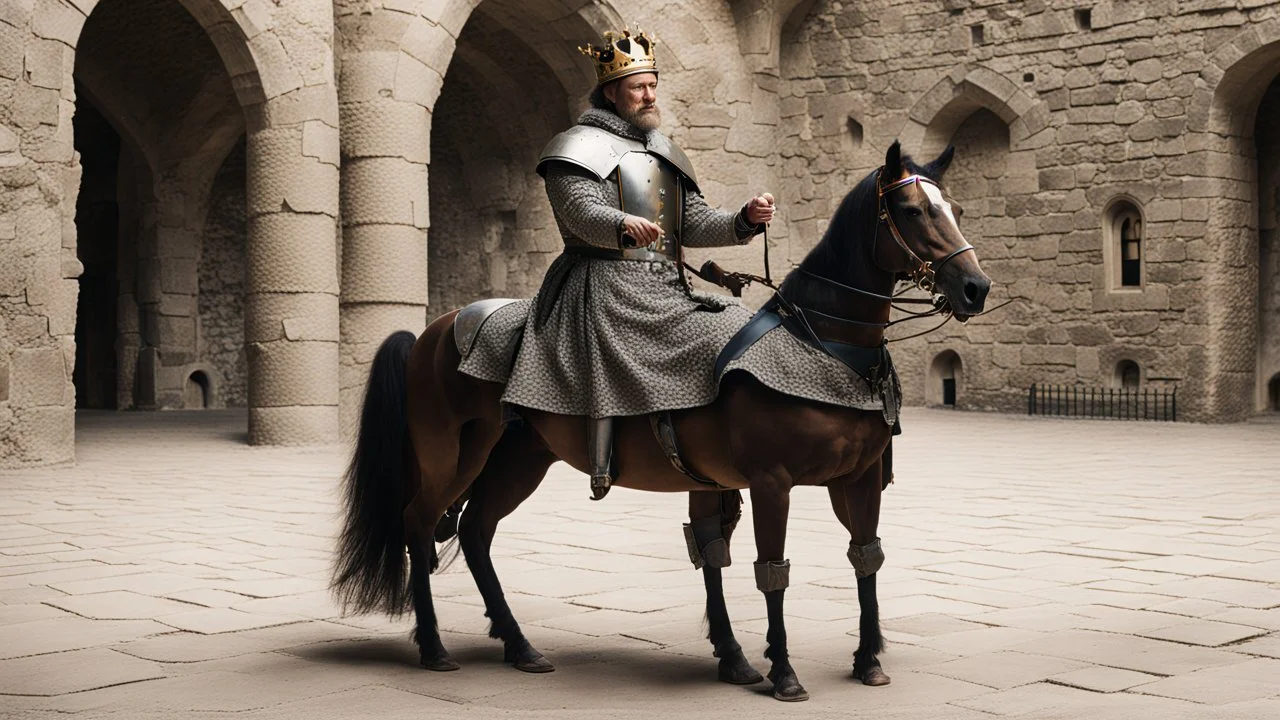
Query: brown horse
{"x": 431, "y": 437}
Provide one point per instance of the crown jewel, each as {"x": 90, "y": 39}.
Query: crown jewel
{"x": 622, "y": 54}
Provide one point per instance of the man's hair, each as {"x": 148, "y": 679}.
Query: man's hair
{"x": 599, "y": 101}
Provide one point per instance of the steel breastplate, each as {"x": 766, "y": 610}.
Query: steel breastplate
{"x": 649, "y": 188}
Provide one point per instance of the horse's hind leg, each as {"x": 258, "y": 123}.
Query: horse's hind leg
{"x": 514, "y": 470}
{"x": 426, "y": 634}
{"x": 448, "y": 462}
{"x": 712, "y": 518}
{"x": 857, "y": 504}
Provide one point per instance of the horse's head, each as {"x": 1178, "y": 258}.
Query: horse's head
{"x": 918, "y": 236}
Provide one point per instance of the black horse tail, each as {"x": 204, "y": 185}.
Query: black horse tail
{"x": 370, "y": 573}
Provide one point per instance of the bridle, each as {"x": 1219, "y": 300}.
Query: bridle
{"x": 924, "y": 274}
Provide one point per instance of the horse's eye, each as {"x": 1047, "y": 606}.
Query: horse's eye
{"x": 914, "y": 212}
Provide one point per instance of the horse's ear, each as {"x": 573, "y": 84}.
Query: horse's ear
{"x": 939, "y": 166}
{"x": 893, "y": 162}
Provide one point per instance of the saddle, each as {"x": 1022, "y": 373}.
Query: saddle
{"x": 872, "y": 364}
{"x": 468, "y": 325}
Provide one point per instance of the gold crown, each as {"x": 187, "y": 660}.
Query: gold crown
{"x": 623, "y": 54}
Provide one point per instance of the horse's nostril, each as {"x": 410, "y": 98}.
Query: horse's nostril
{"x": 971, "y": 292}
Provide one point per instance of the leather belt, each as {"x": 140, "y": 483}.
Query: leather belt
{"x": 640, "y": 253}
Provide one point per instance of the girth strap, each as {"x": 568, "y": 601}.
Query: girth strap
{"x": 665, "y": 432}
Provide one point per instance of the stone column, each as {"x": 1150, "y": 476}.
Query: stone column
{"x": 291, "y": 303}
{"x": 392, "y": 69}
{"x": 39, "y": 172}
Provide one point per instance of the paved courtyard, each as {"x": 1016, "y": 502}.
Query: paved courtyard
{"x": 1036, "y": 568}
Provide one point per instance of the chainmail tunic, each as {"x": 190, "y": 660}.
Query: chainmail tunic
{"x": 616, "y": 337}
{"x": 623, "y": 337}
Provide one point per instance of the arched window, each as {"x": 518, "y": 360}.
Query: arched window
{"x": 945, "y": 376}
{"x": 1124, "y": 245}
{"x": 1128, "y": 374}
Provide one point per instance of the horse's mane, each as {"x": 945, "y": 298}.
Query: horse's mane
{"x": 853, "y": 226}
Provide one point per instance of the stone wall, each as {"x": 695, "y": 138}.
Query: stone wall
{"x": 1267, "y": 134}
{"x": 221, "y": 284}
{"x": 1097, "y": 106}
{"x": 1058, "y": 111}
{"x": 492, "y": 232}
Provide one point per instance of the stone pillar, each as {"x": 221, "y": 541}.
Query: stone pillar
{"x": 39, "y": 173}
{"x": 291, "y": 303}
{"x": 392, "y": 70}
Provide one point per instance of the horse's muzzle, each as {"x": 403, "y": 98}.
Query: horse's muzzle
{"x": 967, "y": 293}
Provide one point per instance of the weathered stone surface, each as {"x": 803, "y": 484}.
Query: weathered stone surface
{"x": 1022, "y": 614}
{"x": 1053, "y": 122}
{"x": 37, "y": 377}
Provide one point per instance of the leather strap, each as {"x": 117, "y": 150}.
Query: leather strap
{"x": 765, "y": 319}
{"x": 665, "y": 432}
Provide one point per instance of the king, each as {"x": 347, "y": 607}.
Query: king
{"x": 615, "y": 328}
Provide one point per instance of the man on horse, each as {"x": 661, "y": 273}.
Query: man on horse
{"x": 615, "y": 329}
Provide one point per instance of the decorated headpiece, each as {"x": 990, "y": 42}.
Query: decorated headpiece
{"x": 622, "y": 54}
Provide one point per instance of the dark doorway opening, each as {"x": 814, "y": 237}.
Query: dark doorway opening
{"x": 97, "y": 244}
{"x": 949, "y": 392}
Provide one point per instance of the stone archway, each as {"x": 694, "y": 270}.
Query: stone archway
{"x": 493, "y": 231}
{"x": 936, "y": 116}
{"x": 393, "y": 71}
{"x": 1267, "y": 142}
{"x": 161, "y": 81}
{"x": 993, "y": 180}
{"x": 945, "y": 380}
{"x": 287, "y": 102}
{"x": 1234, "y": 112}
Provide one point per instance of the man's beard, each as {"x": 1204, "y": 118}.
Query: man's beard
{"x": 644, "y": 118}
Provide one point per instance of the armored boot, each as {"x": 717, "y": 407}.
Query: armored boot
{"x": 600, "y": 453}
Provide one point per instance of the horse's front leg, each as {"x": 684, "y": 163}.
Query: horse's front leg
{"x": 712, "y": 518}
{"x": 770, "y": 505}
{"x": 856, "y": 502}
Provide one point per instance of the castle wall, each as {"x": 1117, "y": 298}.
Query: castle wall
{"x": 1097, "y": 108}
{"x": 235, "y": 267}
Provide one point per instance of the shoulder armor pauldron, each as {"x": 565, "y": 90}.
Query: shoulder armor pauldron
{"x": 599, "y": 151}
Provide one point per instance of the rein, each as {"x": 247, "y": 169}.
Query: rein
{"x": 923, "y": 276}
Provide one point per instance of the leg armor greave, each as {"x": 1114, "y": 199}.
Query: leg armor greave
{"x": 707, "y": 541}
{"x": 866, "y": 559}
{"x": 773, "y": 575}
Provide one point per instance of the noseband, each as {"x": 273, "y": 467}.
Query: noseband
{"x": 925, "y": 272}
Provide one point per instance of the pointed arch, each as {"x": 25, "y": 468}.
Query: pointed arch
{"x": 939, "y": 112}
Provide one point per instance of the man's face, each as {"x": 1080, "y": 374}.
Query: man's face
{"x": 636, "y": 97}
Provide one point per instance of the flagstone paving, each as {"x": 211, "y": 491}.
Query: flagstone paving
{"x": 1036, "y": 568}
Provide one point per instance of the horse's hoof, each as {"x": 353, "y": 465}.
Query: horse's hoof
{"x": 440, "y": 663}
{"x": 524, "y": 658}
{"x": 873, "y": 676}
{"x": 790, "y": 692}
{"x": 534, "y": 662}
{"x": 737, "y": 671}
{"x": 786, "y": 686}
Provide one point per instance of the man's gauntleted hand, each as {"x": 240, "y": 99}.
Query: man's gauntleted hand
{"x": 760, "y": 209}
{"x": 638, "y": 232}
